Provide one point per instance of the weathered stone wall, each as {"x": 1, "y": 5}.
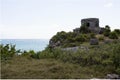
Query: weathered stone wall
{"x": 92, "y": 24}
{"x": 76, "y": 30}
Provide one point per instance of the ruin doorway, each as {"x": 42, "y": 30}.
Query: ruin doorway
{"x": 87, "y": 24}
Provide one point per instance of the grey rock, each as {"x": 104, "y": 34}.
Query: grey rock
{"x": 107, "y": 41}
{"x": 54, "y": 44}
{"x": 74, "y": 49}
{"x": 94, "y": 41}
{"x": 112, "y": 76}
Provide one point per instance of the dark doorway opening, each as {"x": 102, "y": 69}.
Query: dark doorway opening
{"x": 87, "y": 24}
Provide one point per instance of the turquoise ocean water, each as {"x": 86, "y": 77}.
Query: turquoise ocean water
{"x": 27, "y": 44}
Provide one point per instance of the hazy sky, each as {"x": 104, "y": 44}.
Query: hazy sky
{"x": 43, "y": 18}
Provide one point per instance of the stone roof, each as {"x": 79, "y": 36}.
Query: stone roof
{"x": 90, "y": 19}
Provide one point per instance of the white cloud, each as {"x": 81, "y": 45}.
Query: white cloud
{"x": 108, "y": 5}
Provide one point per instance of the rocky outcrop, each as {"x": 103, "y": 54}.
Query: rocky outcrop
{"x": 54, "y": 44}
{"x": 113, "y": 76}
{"x": 74, "y": 49}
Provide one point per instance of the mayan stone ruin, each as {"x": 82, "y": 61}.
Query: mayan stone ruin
{"x": 91, "y": 23}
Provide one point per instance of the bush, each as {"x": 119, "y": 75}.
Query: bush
{"x": 70, "y": 40}
{"x": 116, "y": 55}
{"x": 80, "y": 38}
{"x": 60, "y": 36}
{"x": 92, "y": 35}
{"x": 113, "y": 35}
{"x": 7, "y": 51}
{"x": 70, "y": 45}
{"x": 117, "y": 31}
{"x": 118, "y": 70}
{"x": 107, "y": 31}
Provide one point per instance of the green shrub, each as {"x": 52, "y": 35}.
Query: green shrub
{"x": 70, "y": 40}
{"x": 113, "y": 35}
{"x": 70, "y": 45}
{"x": 92, "y": 35}
{"x": 107, "y": 62}
{"x": 60, "y": 36}
{"x": 7, "y": 51}
{"x": 80, "y": 38}
{"x": 117, "y": 31}
{"x": 118, "y": 70}
{"x": 107, "y": 31}
{"x": 116, "y": 55}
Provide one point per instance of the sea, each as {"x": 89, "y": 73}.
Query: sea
{"x": 27, "y": 44}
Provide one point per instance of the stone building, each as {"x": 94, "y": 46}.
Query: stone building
{"x": 76, "y": 30}
{"x": 92, "y": 24}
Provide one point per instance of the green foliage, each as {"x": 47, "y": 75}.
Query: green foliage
{"x": 118, "y": 70}
{"x": 107, "y": 31}
{"x": 92, "y": 35}
{"x": 60, "y": 36}
{"x": 117, "y": 31}
{"x": 7, "y": 51}
{"x": 113, "y": 35}
{"x": 29, "y": 54}
{"x": 71, "y": 44}
{"x": 69, "y": 39}
{"x": 116, "y": 55}
{"x": 104, "y": 58}
{"x": 47, "y": 53}
{"x": 36, "y": 55}
{"x": 106, "y": 55}
{"x": 80, "y": 38}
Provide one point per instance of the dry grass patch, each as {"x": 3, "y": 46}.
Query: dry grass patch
{"x": 28, "y": 68}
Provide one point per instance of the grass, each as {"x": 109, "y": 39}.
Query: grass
{"x": 28, "y": 68}
{"x": 96, "y": 62}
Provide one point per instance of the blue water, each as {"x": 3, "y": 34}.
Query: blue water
{"x": 27, "y": 44}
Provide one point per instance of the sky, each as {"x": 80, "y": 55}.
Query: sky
{"x": 41, "y": 19}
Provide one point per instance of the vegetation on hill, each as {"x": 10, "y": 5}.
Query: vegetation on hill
{"x": 55, "y": 62}
{"x": 97, "y": 62}
{"x": 72, "y": 39}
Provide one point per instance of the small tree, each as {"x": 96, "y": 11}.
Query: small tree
{"x": 7, "y": 51}
{"x": 107, "y": 31}
{"x": 117, "y": 31}
{"x": 113, "y": 35}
